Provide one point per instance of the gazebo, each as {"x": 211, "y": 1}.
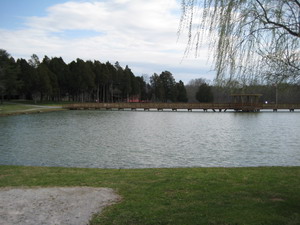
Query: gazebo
{"x": 246, "y": 102}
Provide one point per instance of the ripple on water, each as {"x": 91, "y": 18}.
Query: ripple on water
{"x": 113, "y": 139}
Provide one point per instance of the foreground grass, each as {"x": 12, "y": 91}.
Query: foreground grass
{"x": 268, "y": 195}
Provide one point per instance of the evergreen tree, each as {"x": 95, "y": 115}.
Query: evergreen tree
{"x": 143, "y": 89}
{"x": 53, "y": 79}
{"x": 9, "y": 70}
{"x": 126, "y": 82}
{"x": 105, "y": 85}
{"x": 29, "y": 78}
{"x": 168, "y": 83}
{"x": 83, "y": 80}
{"x": 158, "y": 92}
{"x": 204, "y": 93}
{"x": 44, "y": 81}
{"x": 182, "y": 94}
{"x": 54, "y": 94}
{"x": 97, "y": 69}
{"x": 61, "y": 71}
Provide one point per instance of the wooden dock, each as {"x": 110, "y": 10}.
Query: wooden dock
{"x": 215, "y": 107}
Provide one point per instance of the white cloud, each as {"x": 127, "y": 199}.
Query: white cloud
{"x": 135, "y": 31}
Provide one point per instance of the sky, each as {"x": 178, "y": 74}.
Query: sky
{"x": 139, "y": 33}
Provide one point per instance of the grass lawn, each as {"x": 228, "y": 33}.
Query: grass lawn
{"x": 8, "y": 108}
{"x": 13, "y": 108}
{"x": 43, "y": 103}
{"x": 264, "y": 195}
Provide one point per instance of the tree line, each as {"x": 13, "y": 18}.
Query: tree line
{"x": 93, "y": 81}
{"x": 82, "y": 81}
{"x": 202, "y": 90}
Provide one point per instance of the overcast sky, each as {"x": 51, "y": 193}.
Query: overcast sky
{"x": 139, "y": 33}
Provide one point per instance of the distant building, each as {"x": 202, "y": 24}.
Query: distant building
{"x": 135, "y": 98}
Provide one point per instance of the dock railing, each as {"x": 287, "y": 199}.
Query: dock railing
{"x": 182, "y": 106}
{"x": 148, "y": 105}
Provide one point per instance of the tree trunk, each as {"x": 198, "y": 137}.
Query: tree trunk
{"x": 103, "y": 92}
{"x": 98, "y": 93}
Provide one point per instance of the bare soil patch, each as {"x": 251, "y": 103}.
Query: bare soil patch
{"x": 59, "y": 205}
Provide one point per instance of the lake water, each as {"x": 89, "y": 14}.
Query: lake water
{"x": 125, "y": 139}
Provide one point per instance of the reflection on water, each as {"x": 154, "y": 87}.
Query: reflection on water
{"x": 113, "y": 139}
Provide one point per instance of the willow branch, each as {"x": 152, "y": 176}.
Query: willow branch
{"x": 297, "y": 2}
{"x": 268, "y": 21}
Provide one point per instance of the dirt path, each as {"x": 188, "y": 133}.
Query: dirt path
{"x": 71, "y": 205}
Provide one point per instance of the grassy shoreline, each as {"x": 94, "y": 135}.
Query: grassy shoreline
{"x": 258, "y": 195}
{"x": 18, "y": 108}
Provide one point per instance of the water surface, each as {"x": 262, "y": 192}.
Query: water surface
{"x": 125, "y": 139}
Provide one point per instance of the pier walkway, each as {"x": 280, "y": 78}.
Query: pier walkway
{"x": 215, "y": 107}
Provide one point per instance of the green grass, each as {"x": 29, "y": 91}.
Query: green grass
{"x": 8, "y": 108}
{"x": 43, "y": 103}
{"x": 265, "y": 195}
{"x": 13, "y": 108}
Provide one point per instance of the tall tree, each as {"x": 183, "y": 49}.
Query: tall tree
{"x": 29, "y": 78}
{"x": 97, "y": 69}
{"x": 34, "y": 61}
{"x": 111, "y": 81}
{"x": 52, "y": 74}
{"x": 168, "y": 83}
{"x": 181, "y": 92}
{"x": 192, "y": 88}
{"x": 164, "y": 87}
{"x": 83, "y": 80}
{"x": 44, "y": 81}
{"x": 158, "y": 91}
{"x": 250, "y": 38}
{"x": 204, "y": 93}
{"x": 61, "y": 71}
{"x": 143, "y": 88}
{"x": 126, "y": 82}
{"x": 9, "y": 83}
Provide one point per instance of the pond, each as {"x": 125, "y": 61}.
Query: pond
{"x": 126, "y": 139}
